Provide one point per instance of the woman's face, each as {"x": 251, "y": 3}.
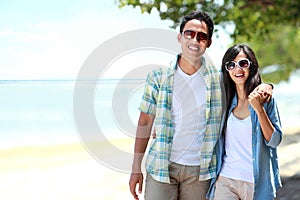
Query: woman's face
{"x": 240, "y": 73}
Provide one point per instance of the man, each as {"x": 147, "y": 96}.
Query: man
{"x": 184, "y": 104}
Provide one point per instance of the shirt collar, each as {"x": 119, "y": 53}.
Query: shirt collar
{"x": 174, "y": 63}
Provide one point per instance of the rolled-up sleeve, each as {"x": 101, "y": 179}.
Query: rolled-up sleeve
{"x": 149, "y": 98}
{"x": 273, "y": 113}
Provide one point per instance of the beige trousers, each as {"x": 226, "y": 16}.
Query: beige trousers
{"x": 185, "y": 185}
{"x": 230, "y": 189}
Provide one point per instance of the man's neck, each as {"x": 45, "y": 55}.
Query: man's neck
{"x": 189, "y": 66}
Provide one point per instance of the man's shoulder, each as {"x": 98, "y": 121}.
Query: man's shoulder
{"x": 209, "y": 65}
{"x": 213, "y": 69}
{"x": 161, "y": 71}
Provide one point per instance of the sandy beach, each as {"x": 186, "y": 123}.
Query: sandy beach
{"x": 61, "y": 172}
{"x": 69, "y": 172}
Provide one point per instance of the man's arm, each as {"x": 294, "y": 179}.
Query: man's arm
{"x": 141, "y": 141}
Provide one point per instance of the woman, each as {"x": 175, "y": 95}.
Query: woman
{"x": 246, "y": 152}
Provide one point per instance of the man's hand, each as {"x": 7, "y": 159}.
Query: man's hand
{"x": 256, "y": 100}
{"x": 143, "y": 133}
{"x": 136, "y": 179}
{"x": 265, "y": 91}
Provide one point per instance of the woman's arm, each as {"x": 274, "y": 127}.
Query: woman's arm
{"x": 256, "y": 101}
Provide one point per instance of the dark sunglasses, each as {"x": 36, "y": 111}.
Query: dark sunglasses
{"x": 243, "y": 63}
{"x": 189, "y": 34}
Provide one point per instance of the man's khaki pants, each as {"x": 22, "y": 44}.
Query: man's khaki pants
{"x": 185, "y": 185}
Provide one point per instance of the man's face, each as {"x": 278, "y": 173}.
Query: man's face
{"x": 192, "y": 39}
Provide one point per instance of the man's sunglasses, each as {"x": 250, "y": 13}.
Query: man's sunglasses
{"x": 243, "y": 63}
{"x": 189, "y": 34}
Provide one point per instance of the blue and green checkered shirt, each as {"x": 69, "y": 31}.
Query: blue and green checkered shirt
{"x": 157, "y": 100}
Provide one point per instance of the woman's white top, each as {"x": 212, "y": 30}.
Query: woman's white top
{"x": 238, "y": 146}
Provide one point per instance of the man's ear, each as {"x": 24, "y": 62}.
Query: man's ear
{"x": 179, "y": 37}
{"x": 208, "y": 43}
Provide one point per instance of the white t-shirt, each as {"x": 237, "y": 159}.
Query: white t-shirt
{"x": 188, "y": 113}
{"x": 237, "y": 162}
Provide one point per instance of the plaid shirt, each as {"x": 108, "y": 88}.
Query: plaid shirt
{"x": 157, "y": 100}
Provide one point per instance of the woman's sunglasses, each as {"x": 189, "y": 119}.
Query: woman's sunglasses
{"x": 243, "y": 63}
{"x": 189, "y": 34}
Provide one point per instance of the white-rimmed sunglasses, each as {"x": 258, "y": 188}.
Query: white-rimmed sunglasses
{"x": 243, "y": 63}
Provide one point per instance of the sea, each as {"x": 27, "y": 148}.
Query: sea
{"x": 46, "y": 112}
{"x": 41, "y": 112}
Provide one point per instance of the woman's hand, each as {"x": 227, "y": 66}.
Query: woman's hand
{"x": 265, "y": 91}
{"x": 256, "y": 99}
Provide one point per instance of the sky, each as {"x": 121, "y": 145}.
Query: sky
{"x": 52, "y": 39}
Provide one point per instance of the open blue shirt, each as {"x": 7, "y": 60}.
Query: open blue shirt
{"x": 264, "y": 154}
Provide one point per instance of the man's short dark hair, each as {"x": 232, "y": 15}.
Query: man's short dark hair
{"x": 201, "y": 16}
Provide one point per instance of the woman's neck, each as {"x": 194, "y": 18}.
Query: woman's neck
{"x": 241, "y": 111}
{"x": 241, "y": 93}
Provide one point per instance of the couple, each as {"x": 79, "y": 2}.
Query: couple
{"x": 215, "y": 134}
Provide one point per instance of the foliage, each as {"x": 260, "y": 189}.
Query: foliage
{"x": 270, "y": 27}
{"x": 278, "y": 55}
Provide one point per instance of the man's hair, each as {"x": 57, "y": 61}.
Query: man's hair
{"x": 201, "y": 16}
